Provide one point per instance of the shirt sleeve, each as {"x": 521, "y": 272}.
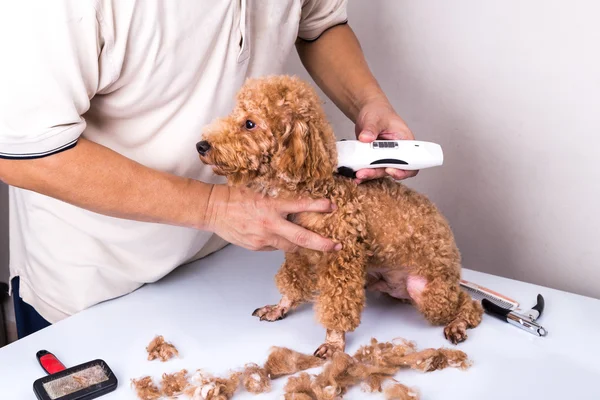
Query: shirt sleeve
{"x": 319, "y": 15}
{"x": 48, "y": 74}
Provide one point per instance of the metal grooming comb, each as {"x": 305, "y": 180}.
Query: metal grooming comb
{"x": 479, "y": 292}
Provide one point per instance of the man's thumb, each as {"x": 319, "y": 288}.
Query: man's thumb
{"x": 370, "y": 129}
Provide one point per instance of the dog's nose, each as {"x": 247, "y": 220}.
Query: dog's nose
{"x": 203, "y": 147}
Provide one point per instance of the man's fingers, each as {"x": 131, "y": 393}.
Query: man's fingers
{"x": 269, "y": 248}
{"x": 304, "y": 238}
{"x": 400, "y": 135}
{"x": 285, "y": 245}
{"x": 366, "y": 174}
{"x": 306, "y": 205}
{"x": 400, "y": 174}
{"x": 376, "y": 173}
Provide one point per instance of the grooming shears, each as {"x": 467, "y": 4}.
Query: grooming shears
{"x": 526, "y": 321}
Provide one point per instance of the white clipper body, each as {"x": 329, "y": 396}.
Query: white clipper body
{"x": 400, "y": 154}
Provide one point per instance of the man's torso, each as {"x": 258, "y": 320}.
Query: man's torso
{"x": 166, "y": 68}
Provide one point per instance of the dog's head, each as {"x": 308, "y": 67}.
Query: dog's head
{"x": 277, "y": 135}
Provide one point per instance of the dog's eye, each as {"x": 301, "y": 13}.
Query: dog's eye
{"x": 250, "y": 124}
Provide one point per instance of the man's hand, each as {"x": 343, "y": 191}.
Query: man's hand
{"x": 378, "y": 120}
{"x": 258, "y": 223}
{"x": 337, "y": 64}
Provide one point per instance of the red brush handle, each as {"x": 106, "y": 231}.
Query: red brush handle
{"x": 49, "y": 362}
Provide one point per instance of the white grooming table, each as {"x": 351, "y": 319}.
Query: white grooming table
{"x": 205, "y": 310}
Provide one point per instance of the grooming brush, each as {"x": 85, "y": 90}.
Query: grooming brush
{"x": 400, "y": 154}
{"x": 82, "y": 382}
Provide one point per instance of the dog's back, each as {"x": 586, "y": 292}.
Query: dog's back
{"x": 401, "y": 228}
{"x": 406, "y": 228}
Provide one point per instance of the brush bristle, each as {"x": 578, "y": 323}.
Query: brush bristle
{"x": 75, "y": 382}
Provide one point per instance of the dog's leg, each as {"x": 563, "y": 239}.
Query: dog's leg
{"x": 341, "y": 299}
{"x": 275, "y": 312}
{"x": 469, "y": 316}
{"x": 296, "y": 281}
{"x": 335, "y": 340}
{"x": 445, "y": 303}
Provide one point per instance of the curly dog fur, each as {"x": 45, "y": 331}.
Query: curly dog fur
{"x": 394, "y": 239}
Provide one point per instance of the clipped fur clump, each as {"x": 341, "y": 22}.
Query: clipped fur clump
{"x": 374, "y": 383}
{"x": 299, "y": 388}
{"x": 174, "y": 384}
{"x": 404, "y": 354}
{"x": 256, "y": 379}
{"x": 159, "y": 349}
{"x": 344, "y": 371}
{"x": 383, "y": 353}
{"x": 398, "y": 391}
{"x": 338, "y": 374}
{"x": 204, "y": 386}
{"x": 145, "y": 388}
{"x": 283, "y": 361}
{"x": 373, "y": 367}
{"x": 298, "y": 396}
{"x": 433, "y": 359}
{"x": 277, "y": 142}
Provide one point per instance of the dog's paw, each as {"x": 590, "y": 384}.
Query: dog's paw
{"x": 327, "y": 350}
{"x": 456, "y": 331}
{"x": 270, "y": 313}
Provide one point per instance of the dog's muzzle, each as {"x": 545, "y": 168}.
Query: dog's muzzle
{"x": 203, "y": 147}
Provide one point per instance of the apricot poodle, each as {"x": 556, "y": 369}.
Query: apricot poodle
{"x": 277, "y": 141}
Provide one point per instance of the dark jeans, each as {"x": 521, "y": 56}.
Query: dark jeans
{"x": 28, "y": 320}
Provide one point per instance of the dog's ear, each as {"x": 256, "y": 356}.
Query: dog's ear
{"x": 304, "y": 153}
{"x": 293, "y": 150}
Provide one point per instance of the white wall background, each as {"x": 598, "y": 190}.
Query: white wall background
{"x": 511, "y": 90}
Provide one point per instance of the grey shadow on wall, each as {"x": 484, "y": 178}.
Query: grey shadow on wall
{"x": 464, "y": 193}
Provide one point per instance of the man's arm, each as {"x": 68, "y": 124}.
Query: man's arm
{"x": 98, "y": 179}
{"x": 45, "y": 90}
{"x": 337, "y": 64}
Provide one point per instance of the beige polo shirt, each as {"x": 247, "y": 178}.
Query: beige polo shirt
{"x": 142, "y": 78}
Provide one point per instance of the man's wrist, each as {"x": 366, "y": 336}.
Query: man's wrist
{"x": 215, "y": 202}
{"x": 368, "y": 96}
